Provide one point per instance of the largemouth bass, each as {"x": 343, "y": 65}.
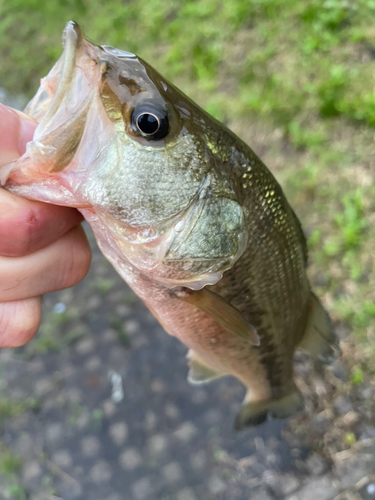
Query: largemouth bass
{"x": 185, "y": 211}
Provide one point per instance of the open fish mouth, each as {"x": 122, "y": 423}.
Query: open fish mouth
{"x": 61, "y": 113}
{"x": 67, "y": 109}
{"x": 72, "y": 37}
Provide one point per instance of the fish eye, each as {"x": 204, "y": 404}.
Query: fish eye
{"x": 150, "y": 121}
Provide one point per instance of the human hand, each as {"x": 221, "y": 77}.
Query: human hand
{"x": 43, "y": 248}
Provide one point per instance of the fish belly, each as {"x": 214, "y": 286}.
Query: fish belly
{"x": 209, "y": 343}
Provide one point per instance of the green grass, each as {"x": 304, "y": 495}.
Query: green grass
{"x": 292, "y": 77}
{"x": 56, "y": 332}
{"x": 294, "y": 57}
{"x": 10, "y": 408}
{"x": 117, "y": 324}
{"x": 103, "y": 286}
{"x": 10, "y": 465}
{"x": 9, "y": 462}
{"x": 350, "y": 438}
{"x": 357, "y": 375}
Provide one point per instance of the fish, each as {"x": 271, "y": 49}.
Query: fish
{"x": 187, "y": 214}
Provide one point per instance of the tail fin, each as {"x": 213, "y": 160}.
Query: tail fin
{"x": 320, "y": 340}
{"x": 253, "y": 414}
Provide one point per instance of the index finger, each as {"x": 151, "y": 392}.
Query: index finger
{"x": 26, "y": 226}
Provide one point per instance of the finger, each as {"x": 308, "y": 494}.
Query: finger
{"x": 15, "y": 133}
{"x": 19, "y": 321}
{"x": 27, "y": 226}
{"x": 60, "y": 265}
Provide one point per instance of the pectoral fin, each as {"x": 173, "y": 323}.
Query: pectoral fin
{"x": 199, "y": 372}
{"x": 220, "y": 311}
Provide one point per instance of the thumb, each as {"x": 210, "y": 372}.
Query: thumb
{"x": 16, "y": 130}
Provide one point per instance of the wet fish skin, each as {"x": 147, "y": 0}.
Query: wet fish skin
{"x": 193, "y": 220}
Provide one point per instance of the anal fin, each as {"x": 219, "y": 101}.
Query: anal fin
{"x": 319, "y": 340}
{"x": 199, "y": 372}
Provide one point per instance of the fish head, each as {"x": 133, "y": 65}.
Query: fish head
{"x": 139, "y": 159}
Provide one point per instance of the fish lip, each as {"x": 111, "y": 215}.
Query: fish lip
{"x": 72, "y": 34}
{"x": 72, "y": 38}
